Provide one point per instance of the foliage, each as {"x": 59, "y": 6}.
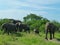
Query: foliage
{"x": 4, "y": 21}
{"x": 32, "y": 17}
{"x": 35, "y": 21}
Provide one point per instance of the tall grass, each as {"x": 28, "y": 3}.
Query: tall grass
{"x": 27, "y": 39}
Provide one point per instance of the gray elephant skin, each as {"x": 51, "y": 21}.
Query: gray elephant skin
{"x": 9, "y": 28}
{"x": 51, "y": 28}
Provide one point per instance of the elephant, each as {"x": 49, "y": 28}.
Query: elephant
{"x": 24, "y": 27}
{"x": 15, "y": 27}
{"x": 51, "y": 28}
{"x": 9, "y": 28}
{"x": 14, "y": 21}
{"x": 36, "y": 31}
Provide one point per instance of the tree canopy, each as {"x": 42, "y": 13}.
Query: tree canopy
{"x": 39, "y": 22}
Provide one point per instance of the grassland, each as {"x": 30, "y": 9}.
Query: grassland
{"x": 28, "y": 39}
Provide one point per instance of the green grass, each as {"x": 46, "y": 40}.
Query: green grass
{"x": 27, "y": 39}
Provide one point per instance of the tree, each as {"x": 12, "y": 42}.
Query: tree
{"x": 30, "y": 17}
{"x": 35, "y": 21}
{"x": 4, "y": 21}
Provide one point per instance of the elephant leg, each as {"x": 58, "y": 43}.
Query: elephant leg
{"x": 50, "y": 36}
{"x": 29, "y": 31}
{"x": 4, "y": 32}
{"x": 8, "y": 32}
{"x": 46, "y": 34}
{"x": 25, "y": 30}
{"x": 53, "y": 35}
{"x": 20, "y": 30}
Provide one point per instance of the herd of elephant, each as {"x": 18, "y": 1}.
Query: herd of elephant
{"x": 17, "y": 26}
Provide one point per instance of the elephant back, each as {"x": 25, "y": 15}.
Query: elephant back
{"x": 9, "y": 27}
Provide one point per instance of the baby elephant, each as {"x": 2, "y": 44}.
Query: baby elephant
{"x": 36, "y": 31}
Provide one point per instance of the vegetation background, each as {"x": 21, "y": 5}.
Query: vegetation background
{"x": 23, "y": 38}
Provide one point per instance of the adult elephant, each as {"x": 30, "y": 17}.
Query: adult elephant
{"x": 50, "y": 27}
{"x": 9, "y": 28}
{"x": 24, "y": 27}
{"x": 15, "y": 21}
